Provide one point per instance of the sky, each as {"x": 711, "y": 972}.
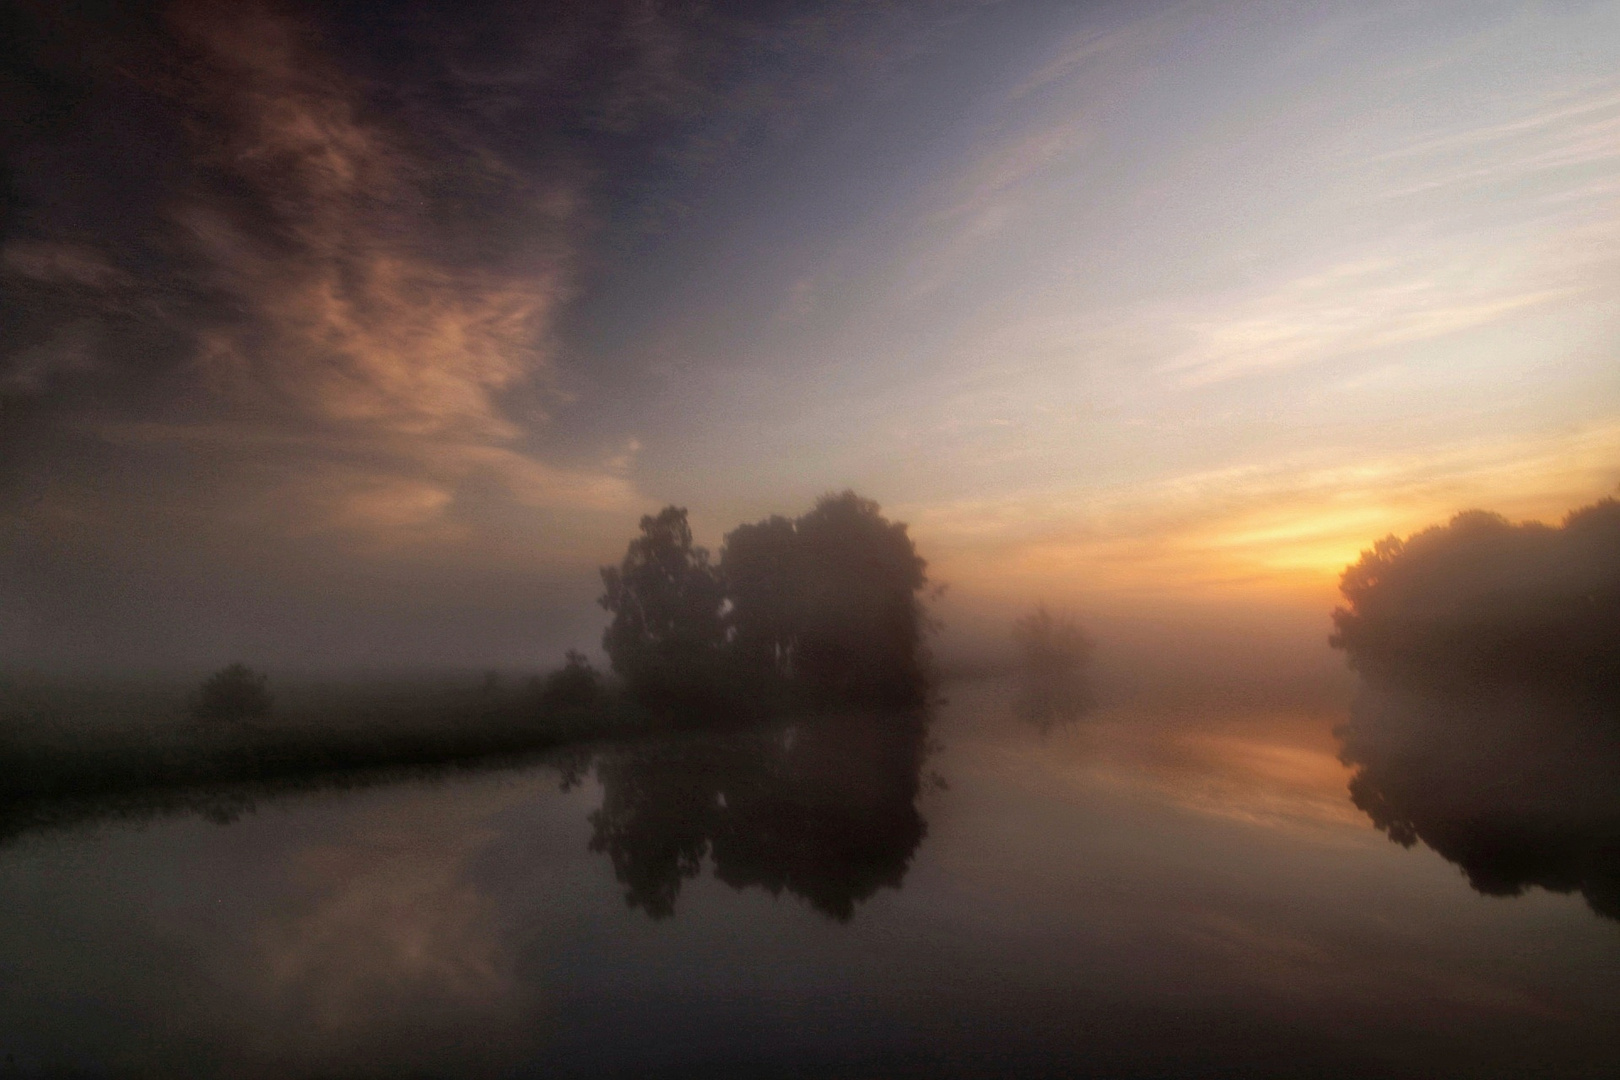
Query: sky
{"x": 363, "y": 333}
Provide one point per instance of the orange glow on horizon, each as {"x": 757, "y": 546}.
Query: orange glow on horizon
{"x": 1283, "y": 535}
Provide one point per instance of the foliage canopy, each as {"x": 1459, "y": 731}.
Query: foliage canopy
{"x": 824, "y": 607}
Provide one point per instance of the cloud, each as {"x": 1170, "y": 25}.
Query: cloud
{"x": 1570, "y": 128}
{"x": 57, "y": 263}
{"x": 1520, "y": 215}
{"x": 72, "y": 350}
{"x": 388, "y": 488}
{"x": 354, "y": 306}
{"x": 1097, "y": 53}
{"x": 349, "y": 317}
{"x": 1346, "y": 309}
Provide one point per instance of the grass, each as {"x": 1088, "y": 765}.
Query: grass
{"x": 71, "y": 751}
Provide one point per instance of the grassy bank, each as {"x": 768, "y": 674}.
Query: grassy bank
{"x": 70, "y": 751}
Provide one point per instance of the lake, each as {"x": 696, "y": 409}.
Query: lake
{"x": 1174, "y": 884}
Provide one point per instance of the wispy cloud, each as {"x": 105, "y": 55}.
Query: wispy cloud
{"x": 1565, "y": 129}
{"x": 1346, "y": 309}
{"x": 59, "y": 263}
{"x": 350, "y": 314}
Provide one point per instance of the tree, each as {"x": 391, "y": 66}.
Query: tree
{"x": 1050, "y": 646}
{"x": 667, "y": 633}
{"x": 828, "y": 603}
{"x": 759, "y": 566}
{"x": 1483, "y": 599}
{"x": 860, "y": 622}
{"x": 1053, "y": 654}
{"x": 824, "y": 608}
{"x": 236, "y": 692}
{"x": 574, "y": 687}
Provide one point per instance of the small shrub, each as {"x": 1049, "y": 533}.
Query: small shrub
{"x": 574, "y": 686}
{"x": 1051, "y": 645}
{"x": 233, "y": 693}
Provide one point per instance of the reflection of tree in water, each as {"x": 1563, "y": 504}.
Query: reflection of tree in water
{"x": 1489, "y": 722}
{"x": 1517, "y": 788}
{"x": 818, "y": 615}
{"x": 825, "y": 808}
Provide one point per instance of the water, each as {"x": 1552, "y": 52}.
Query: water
{"x": 1179, "y": 887}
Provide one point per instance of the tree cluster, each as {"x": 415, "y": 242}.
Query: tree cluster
{"x": 824, "y": 608}
{"x": 1488, "y": 722}
{"x": 1481, "y": 599}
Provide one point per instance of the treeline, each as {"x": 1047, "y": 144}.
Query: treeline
{"x": 1483, "y": 599}
{"x": 821, "y": 613}
{"x": 823, "y": 610}
{"x": 1488, "y": 721}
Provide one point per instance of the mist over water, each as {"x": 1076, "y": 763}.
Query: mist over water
{"x": 1074, "y": 860}
{"x": 1166, "y": 856}
{"x": 968, "y": 907}
{"x": 804, "y": 539}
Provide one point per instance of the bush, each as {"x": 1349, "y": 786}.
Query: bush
{"x": 574, "y": 687}
{"x": 1484, "y": 600}
{"x": 233, "y": 693}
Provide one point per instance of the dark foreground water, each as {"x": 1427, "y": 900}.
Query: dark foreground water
{"x": 1174, "y": 889}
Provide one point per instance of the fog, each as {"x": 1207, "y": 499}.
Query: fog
{"x": 340, "y": 338}
{"x": 817, "y": 537}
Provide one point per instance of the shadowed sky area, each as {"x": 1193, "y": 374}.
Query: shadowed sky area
{"x": 363, "y": 333}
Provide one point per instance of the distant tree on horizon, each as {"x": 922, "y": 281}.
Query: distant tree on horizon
{"x": 1050, "y": 645}
{"x": 236, "y": 692}
{"x": 1053, "y": 656}
{"x": 575, "y": 686}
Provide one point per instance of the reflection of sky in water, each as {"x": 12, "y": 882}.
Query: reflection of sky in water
{"x": 1140, "y": 891}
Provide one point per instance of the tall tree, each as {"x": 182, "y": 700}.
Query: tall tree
{"x": 829, "y": 602}
{"x": 667, "y": 632}
{"x": 759, "y": 566}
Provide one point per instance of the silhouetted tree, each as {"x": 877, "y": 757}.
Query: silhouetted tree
{"x": 236, "y": 692}
{"x": 1050, "y": 645}
{"x": 829, "y": 603}
{"x": 576, "y": 686}
{"x": 1483, "y": 599}
{"x": 1488, "y": 724}
{"x": 667, "y": 634}
{"x": 860, "y": 630}
{"x": 1053, "y": 654}
{"x": 760, "y": 567}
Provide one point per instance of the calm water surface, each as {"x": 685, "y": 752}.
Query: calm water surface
{"x": 1176, "y": 889}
